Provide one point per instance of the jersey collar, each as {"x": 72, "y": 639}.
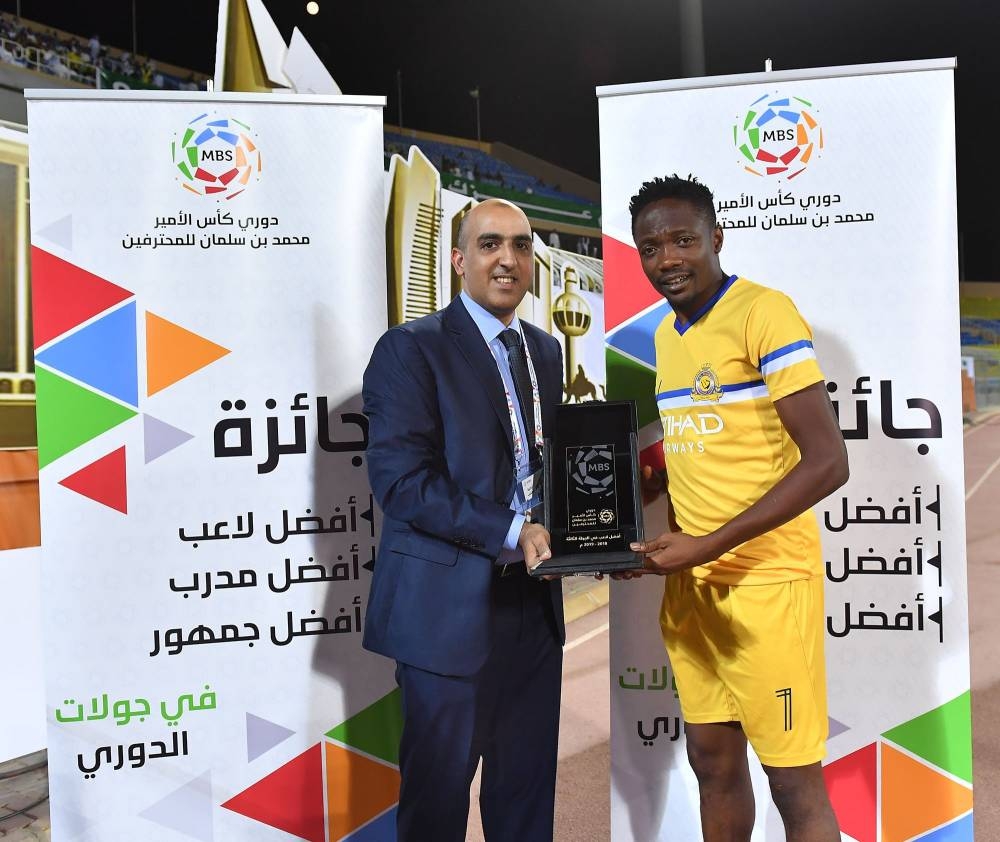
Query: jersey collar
{"x": 683, "y": 328}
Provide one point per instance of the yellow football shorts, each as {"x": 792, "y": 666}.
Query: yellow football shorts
{"x": 751, "y": 654}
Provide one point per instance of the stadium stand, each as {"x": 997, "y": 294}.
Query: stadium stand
{"x": 563, "y": 216}
{"x": 980, "y": 331}
{"x": 29, "y": 45}
{"x": 478, "y": 166}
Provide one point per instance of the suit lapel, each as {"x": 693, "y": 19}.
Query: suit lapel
{"x": 470, "y": 342}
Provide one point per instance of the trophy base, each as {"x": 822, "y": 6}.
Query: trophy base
{"x": 589, "y": 564}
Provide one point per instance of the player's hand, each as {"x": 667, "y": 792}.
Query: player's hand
{"x": 621, "y": 575}
{"x": 535, "y": 542}
{"x": 625, "y": 575}
{"x": 673, "y": 551}
{"x": 653, "y": 484}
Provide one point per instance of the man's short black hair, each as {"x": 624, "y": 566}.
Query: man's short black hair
{"x": 674, "y": 187}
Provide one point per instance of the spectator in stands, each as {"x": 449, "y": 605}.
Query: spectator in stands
{"x": 583, "y": 245}
{"x": 54, "y": 65}
{"x": 74, "y": 57}
{"x": 554, "y": 239}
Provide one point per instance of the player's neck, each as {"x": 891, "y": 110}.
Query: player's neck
{"x": 686, "y": 312}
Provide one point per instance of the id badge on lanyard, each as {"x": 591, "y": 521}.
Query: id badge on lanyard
{"x": 529, "y": 489}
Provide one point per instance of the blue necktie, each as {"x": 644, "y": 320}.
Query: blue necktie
{"x": 522, "y": 384}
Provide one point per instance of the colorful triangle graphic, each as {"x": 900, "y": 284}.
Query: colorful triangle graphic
{"x": 852, "y": 782}
{"x": 357, "y": 790}
{"x": 942, "y": 736}
{"x": 64, "y": 295}
{"x": 376, "y": 730}
{"x": 173, "y": 353}
{"x": 159, "y": 437}
{"x": 187, "y": 810}
{"x": 70, "y": 415}
{"x": 101, "y": 355}
{"x": 382, "y": 829}
{"x": 960, "y": 831}
{"x": 628, "y": 379}
{"x": 637, "y": 339}
{"x": 290, "y": 798}
{"x": 102, "y": 481}
{"x": 263, "y": 735}
{"x": 59, "y": 232}
{"x": 915, "y": 798}
{"x": 627, "y": 290}
{"x": 836, "y": 728}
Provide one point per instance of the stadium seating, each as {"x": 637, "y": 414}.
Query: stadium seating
{"x": 477, "y": 166}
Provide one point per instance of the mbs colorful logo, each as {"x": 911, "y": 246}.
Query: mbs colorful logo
{"x": 778, "y": 136}
{"x": 216, "y": 157}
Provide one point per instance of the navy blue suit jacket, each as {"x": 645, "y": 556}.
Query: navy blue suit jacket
{"x": 440, "y": 461}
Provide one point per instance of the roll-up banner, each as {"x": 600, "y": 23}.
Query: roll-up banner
{"x": 22, "y": 721}
{"x": 837, "y": 187}
{"x": 208, "y": 282}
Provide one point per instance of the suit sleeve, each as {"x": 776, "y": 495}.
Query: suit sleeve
{"x": 406, "y": 461}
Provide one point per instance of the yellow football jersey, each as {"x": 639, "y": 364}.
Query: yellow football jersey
{"x": 717, "y": 379}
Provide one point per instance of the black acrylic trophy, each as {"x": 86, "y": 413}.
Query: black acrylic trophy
{"x": 592, "y": 494}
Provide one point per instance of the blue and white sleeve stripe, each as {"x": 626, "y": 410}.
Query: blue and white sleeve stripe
{"x": 791, "y": 354}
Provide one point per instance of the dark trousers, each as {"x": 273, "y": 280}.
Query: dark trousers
{"x": 507, "y": 713}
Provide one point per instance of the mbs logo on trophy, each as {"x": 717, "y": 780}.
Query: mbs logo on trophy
{"x": 592, "y": 498}
{"x": 216, "y": 157}
{"x": 778, "y": 136}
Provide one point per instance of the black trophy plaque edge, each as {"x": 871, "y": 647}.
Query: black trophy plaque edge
{"x": 587, "y": 564}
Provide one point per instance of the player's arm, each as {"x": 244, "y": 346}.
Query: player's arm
{"x": 808, "y": 417}
{"x": 671, "y": 517}
{"x": 654, "y": 483}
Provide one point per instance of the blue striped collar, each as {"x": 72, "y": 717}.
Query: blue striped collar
{"x": 682, "y": 328}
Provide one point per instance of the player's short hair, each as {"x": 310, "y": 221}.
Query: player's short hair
{"x": 674, "y": 187}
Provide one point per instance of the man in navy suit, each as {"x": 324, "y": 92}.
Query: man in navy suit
{"x": 456, "y": 403}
